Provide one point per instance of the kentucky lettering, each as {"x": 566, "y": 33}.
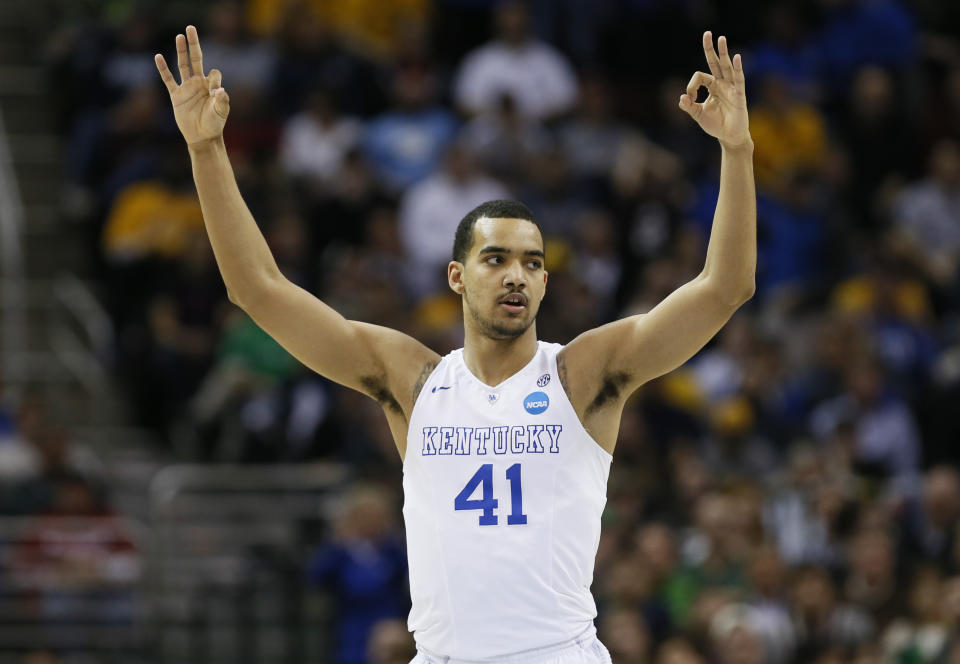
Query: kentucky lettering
{"x": 464, "y": 441}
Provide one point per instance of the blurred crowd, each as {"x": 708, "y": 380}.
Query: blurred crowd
{"x": 790, "y": 495}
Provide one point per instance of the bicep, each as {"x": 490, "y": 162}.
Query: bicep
{"x": 375, "y": 360}
{"x": 675, "y": 330}
{"x": 643, "y": 347}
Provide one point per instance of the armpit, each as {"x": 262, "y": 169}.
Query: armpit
{"x": 610, "y": 389}
{"x": 376, "y": 388}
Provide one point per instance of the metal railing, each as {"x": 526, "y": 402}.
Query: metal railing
{"x": 74, "y": 345}
{"x": 73, "y": 584}
{"x": 13, "y": 330}
{"x": 227, "y": 566}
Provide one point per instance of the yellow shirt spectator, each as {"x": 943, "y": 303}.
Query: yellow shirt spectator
{"x": 370, "y": 25}
{"x": 150, "y": 218}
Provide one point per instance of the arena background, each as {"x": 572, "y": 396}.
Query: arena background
{"x": 175, "y": 488}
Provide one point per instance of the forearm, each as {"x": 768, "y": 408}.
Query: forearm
{"x": 731, "y": 262}
{"x": 242, "y": 254}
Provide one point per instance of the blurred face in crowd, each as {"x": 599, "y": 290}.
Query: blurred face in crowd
{"x": 941, "y": 496}
{"x": 655, "y": 543}
{"x": 625, "y": 634}
{"x": 503, "y": 280}
{"x": 945, "y": 164}
{"x": 678, "y": 651}
{"x": 872, "y": 555}
{"x": 512, "y": 22}
{"x": 925, "y": 595}
{"x": 367, "y": 515}
{"x": 950, "y": 602}
{"x": 390, "y": 643}
{"x": 813, "y": 592}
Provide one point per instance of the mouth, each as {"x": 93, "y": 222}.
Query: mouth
{"x": 515, "y": 303}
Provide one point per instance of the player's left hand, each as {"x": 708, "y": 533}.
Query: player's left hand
{"x": 724, "y": 113}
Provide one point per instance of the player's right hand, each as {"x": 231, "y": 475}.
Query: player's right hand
{"x": 200, "y": 104}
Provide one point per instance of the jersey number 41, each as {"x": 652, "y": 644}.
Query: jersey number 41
{"x": 487, "y": 502}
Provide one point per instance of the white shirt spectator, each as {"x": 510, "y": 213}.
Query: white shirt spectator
{"x": 429, "y": 214}
{"x": 535, "y": 74}
{"x": 311, "y": 148}
{"x": 930, "y": 214}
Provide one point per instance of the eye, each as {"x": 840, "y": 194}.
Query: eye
{"x": 494, "y": 260}
{"x": 534, "y": 265}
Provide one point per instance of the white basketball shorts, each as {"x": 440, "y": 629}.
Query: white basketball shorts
{"x": 584, "y": 649}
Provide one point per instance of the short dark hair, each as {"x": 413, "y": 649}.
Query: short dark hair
{"x": 499, "y": 209}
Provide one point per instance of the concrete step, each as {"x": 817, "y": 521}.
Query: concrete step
{"x": 22, "y": 80}
{"x": 24, "y": 115}
{"x": 34, "y": 148}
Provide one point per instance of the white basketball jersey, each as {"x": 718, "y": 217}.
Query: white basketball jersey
{"x": 503, "y": 492}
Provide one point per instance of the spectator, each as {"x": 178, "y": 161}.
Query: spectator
{"x": 884, "y": 433}
{"x": 537, "y": 76}
{"x": 929, "y": 524}
{"x": 875, "y": 110}
{"x": 625, "y": 635}
{"x": 789, "y": 135}
{"x": 593, "y": 135}
{"x": 316, "y": 141}
{"x": 678, "y": 651}
{"x": 245, "y": 62}
{"x": 506, "y": 143}
{"x": 820, "y": 620}
{"x": 431, "y": 210}
{"x": 390, "y": 643}
{"x": 312, "y": 55}
{"x": 406, "y": 144}
{"x": 926, "y": 212}
{"x": 365, "y": 568}
{"x": 922, "y": 635}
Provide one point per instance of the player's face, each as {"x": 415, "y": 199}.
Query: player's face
{"x": 503, "y": 280}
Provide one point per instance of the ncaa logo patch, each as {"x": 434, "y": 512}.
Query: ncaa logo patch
{"x": 536, "y": 402}
{"x": 543, "y": 380}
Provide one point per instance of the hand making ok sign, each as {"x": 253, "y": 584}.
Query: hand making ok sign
{"x": 724, "y": 113}
{"x": 200, "y": 104}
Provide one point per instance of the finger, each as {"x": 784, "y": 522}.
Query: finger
{"x": 738, "y": 78}
{"x": 182, "y": 64}
{"x": 698, "y": 80}
{"x": 196, "y": 55}
{"x": 692, "y": 108}
{"x": 713, "y": 62}
{"x": 221, "y": 102}
{"x": 214, "y": 80}
{"x": 726, "y": 67}
{"x": 165, "y": 73}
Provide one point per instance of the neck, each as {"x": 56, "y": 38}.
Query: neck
{"x": 495, "y": 360}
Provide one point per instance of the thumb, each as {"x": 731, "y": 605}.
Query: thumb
{"x": 221, "y": 102}
{"x": 692, "y": 108}
{"x": 214, "y": 79}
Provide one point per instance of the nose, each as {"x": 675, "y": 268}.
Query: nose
{"x": 514, "y": 276}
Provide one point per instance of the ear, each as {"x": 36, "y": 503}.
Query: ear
{"x": 455, "y": 277}
{"x": 545, "y": 275}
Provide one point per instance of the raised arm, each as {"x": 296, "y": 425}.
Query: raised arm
{"x": 377, "y": 361}
{"x": 603, "y": 366}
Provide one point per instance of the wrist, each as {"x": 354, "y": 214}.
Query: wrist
{"x": 744, "y": 147}
{"x": 206, "y": 145}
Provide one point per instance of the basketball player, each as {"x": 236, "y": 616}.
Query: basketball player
{"x": 507, "y": 442}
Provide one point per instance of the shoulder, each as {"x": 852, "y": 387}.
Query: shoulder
{"x": 584, "y": 370}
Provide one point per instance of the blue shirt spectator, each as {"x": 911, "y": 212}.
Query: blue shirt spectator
{"x": 365, "y": 568}
{"x": 407, "y": 144}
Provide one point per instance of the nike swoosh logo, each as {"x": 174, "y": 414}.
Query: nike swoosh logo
{"x": 441, "y": 387}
